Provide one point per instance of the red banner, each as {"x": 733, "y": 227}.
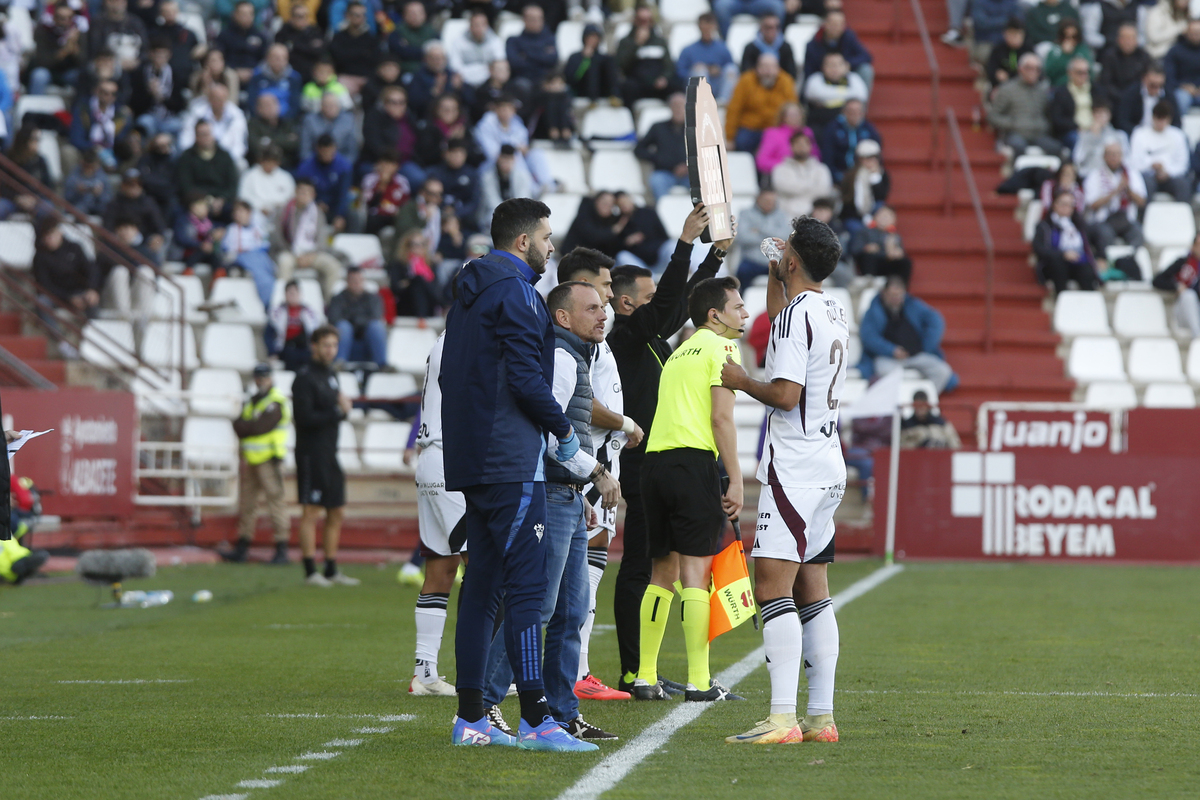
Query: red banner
{"x": 1056, "y": 431}
{"x": 85, "y": 467}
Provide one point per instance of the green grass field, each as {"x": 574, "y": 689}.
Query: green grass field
{"x": 955, "y": 680}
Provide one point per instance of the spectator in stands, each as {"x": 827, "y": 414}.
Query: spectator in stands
{"x": 410, "y": 36}
{"x": 389, "y": 127}
{"x": 157, "y": 98}
{"x": 644, "y": 61}
{"x": 432, "y": 80}
{"x": 1061, "y": 246}
{"x": 1070, "y": 45}
{"x": 865, "y": 186}
{"x": 776, "y": 144}
{"x": 664, "y": 148}
{"x": 835, "y": 37}
{"x": 711, "y": 59}
{"x": 289, "y": 327}
{"x": 1165, "y": 23}
{"x": 770, "y": 40}
{"x": 332, "y": 121}
{"x": 499, "y": 84}
{"x": 1115, "y": 193}
{"x": 60, "y": 50}
{"x": 1070, "y": 108}
{"x": 324, "y": 81}
{"x": 842, "y": 135}
{"x": 1102, "y": 21}
{"x": 827, "y": 92}
{"x": 300, "y": 238}
{"x": 197, "y": 238}
{"x": 411, "y": 276}
{"x": 242, "y": 42}
{"x": 988, "y": 18}
{"x": 1138, "y": 101}
{"x": 120, "y": 293}
{"x": 103, "y": 67}
{"x": 756, "y": 102}
{"x": 957, "y": 12}
{"x": 478, "y": 46}
{"x": 99, "y": 122}
{"x": 245, "y": 245}
{"x": 877, "y": 248}
{"x": 801, "y": 179}
{"x": 186, "y": 49}
{"x": 726, "y": 10}
{"x": 1006, "y": 54}
{"x": 641, "y": 239}
{"x": 157, "y": 168}
{"x": 331, "y": 173}
{"x": 120, "y": 32}
{"x": 460, "y": 181}
{"x": 1183, "y": 278}
{"x": 447, "y": 120}
{"x": 207, "y": 169}
{"x": 1124, "y": 65}
{"x": 1042, "y": 21}
{"x": 132, "y": 203}
{"x": 505, "y": 178}
{"x": 304, "y": 40}
{"x": 358, "y": 316}
{"x": 275, "y": 76}
{"x": 901, "y": 331}
{"x": 268, "y": 129}
{"x": 451, "y": 250}
{"x": 503, "y": 126}
{"x": 384, "y": 191}
{"x": 267, "y": 187}
{"x": 1066, "y": 179}
{"x": 1160, "y": 152}
{"x": 355, "y": 49}
{"x": 1089, "y": 149}
{"x": 1182, "y": 68}
{"x": 423, "y": 211}
{"x": 387, "y": 73}
{"x": 926, "y": 429}
{"x": 214, "y": 70}
{"x": 1018, "y": 111}
{"x": 823, "y": 211}
{"x": 760, "y": 221}
{"x": 591, "y": 73}
{"x": 228, "y": 123}
{"x": 554, "y": 119}
{"x": 533, "y": 52}
{"x": 63, "y": 271}
{"x": 594, "y": 224}
{"x": 87, "y": 188}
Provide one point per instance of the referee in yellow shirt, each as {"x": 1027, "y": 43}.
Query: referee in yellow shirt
{"x": 681, "y": 487}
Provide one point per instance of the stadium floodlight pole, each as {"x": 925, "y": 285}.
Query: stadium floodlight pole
{"x": 889, "y": 548}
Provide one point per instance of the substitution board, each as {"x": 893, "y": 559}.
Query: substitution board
{"x": 708, "y": 166}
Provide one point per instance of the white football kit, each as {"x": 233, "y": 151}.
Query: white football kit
{"x": 606, "y": 388}
{"x": 802, "y": 469}
{"x": 439, "y": 512}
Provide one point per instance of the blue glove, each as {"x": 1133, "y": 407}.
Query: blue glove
{"x": 567, "y": 448}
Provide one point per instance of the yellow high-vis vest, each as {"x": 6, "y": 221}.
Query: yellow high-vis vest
{"x": 273, "y": 444}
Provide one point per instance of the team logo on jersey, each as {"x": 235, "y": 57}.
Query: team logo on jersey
{"x": 538, "y": 530}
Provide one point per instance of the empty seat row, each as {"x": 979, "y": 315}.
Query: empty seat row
{"x": 1151, "y": 360}
{"x": 1122, "y": 395}
{"x": 1135, "y": 313}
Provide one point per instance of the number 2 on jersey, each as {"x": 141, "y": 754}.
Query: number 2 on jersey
{"x": 837, "y": 353}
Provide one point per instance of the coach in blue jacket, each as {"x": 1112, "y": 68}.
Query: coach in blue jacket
{"x": 899, "y": 330}
{"x": 497, "y": 406}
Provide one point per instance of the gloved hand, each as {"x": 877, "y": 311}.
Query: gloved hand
{"x": 567, "y": 448}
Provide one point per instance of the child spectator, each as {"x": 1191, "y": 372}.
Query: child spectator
{"x": 289, "y": 327}
{"x": 196, "y": 237}
{"x": 245, "y": 245}
{"x": 384, "y": 191}
{"x": 86, "y": 187}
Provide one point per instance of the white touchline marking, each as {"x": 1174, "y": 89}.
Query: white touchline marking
{"x": 135, "y": 681}
{"x": 259, "y": 783}
{"x": 397, "y": 717}
{"x": 343, "y": 743}
{"x": 32, "y": 718}
{"x": 225, "y": 797}
{"x": 613, "y": 769}
{"x": 372, "y": 730}
{"x": 290, "y": 769}
{"x": 322, "y": 756}
{"x": 603, "y": 628}
{"x": 286, "y": 626}
{"x": 1014, "y": 693}
{"x": 380, "y": 717}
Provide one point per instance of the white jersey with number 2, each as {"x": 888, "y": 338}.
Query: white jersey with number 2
{"x": 810, "y": 342}
{"x": 430, "y": 431}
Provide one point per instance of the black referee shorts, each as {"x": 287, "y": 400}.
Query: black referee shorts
{"x": 681, "y": 495}
{"x": 320, "y": 480}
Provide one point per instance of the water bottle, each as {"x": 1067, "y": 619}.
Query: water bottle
{"x": 140, "y": 599}
{"x": 770, "y": 250}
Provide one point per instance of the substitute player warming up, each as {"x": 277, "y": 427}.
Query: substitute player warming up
{"x": 803, "y": 479}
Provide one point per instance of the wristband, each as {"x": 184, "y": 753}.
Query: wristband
{"x": 627, "y": 425}
{"x": 596, "y": 473}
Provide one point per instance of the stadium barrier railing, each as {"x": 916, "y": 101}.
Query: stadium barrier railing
{"x": 955, "y": 147}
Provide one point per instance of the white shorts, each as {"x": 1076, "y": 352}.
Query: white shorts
{"x": 607, "y": 519}
{"x": 440, "y": 513}
{"x": 796, "y": 524}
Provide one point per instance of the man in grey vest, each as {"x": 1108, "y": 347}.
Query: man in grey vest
{"x": 578, "y": 315}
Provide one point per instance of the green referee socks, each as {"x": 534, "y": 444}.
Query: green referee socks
{"x": 696, "y": 612}
{"x": 656, "y": 607}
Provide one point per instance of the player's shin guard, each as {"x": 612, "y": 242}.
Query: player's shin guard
{"x": 597, "y": 559}
{"x": 782, "y": 642}
{"x": 656, "y": 607}
{"x": 696, "y": 612}
{"x": 821, "y": 644}
{"x": 431, "y": 623}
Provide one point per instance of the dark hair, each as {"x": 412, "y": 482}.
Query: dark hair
{"x": 459, "y": 143}
{"x": 354, "y": 270}
{"x": 708, "y": 294}
{"x": 1066, "y": 25}
{"x": 390, "y": 156}
{"x": 323, "y": 332}
{"x": 1156, "y": 67}
{"x": 193, "y": 197}
{"x": 624, "y": 278}
{"x": 507, "y": 150}
{"x": 898, "y": 280}
{"x": 1162, "y": 110}
{"x": 817, "y": 245}
{"x": 921, "y": 394}
{"x": 585, "y": 260}
{"x": 243, "y": 204}
{"x": 160, "y": 43}
{"x": 824, "y": 202}
{"x": 46, "y": 224}
{"x": 325, "y": 140}
{"x": 324, "y": 58}
{"x": 707, "y": 16}
{"x": 306, "y": 182}
{"x": 514, "y": 217}
{"x": 20, "y": 142}
{"x": 201, "y": 122}
{"x": 1014, "y": 24}
{"x": 506, "y": 99}
{"x": 122, "y": 221}
{"x": 242, "y": 3}
{"x": 291, "y": 283}
{"x": 560, "y": 296}
{"x": 272, "y": 152}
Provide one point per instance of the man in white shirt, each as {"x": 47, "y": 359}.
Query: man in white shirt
{"x": 801, "y": 179}
{"x": 266, "y": 186}
{"x": 1114, "y": 192}
{"x": 227, "y": 120}
{"x": 827, "y": 91}
{"x": 1159, "y": 151}
{"x": 471, "y": 54}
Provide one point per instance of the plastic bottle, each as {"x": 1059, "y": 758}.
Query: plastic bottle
{"x": 770, "y": 250}
{"x": 140, "y": 599}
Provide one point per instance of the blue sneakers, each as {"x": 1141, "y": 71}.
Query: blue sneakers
{"x": 550, "y": 736}
{"x": 479, "y": 734}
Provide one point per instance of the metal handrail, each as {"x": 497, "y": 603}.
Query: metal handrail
{"x": 934, "y": 71}
{"x": 17, "y": 367}
{"x": 989, "y": 247}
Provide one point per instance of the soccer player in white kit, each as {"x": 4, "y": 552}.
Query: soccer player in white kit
{"x": 443, "y": 536}
{"x": 611, "y": 431}
{"x": 803, "y": 478}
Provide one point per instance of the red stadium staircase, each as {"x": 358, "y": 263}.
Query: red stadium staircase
{"x": 30, "y": 351}
{"x": 944, "y": 239}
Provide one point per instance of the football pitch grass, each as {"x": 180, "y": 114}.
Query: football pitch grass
{"x": 955, "y": 680}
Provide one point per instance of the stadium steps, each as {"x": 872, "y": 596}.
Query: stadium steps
{"x": 32, "y": 350}
{"x": 948, "y": 252}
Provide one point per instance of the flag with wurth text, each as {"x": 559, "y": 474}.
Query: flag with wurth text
{"x": 732, "y": 599}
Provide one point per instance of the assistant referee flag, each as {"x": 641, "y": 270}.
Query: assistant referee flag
{"x": 732, "y": 600}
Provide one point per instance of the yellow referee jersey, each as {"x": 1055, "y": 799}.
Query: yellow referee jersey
{"x": 684, "y": 414}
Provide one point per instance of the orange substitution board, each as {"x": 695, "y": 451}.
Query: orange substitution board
{"x": 708, "y": 166}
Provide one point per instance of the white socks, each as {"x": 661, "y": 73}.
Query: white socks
{"x": 431, "y": 622}
{"x": 597, "y": 559}
{"x": 821, "y": 643}
{"x": 782, "y": 641}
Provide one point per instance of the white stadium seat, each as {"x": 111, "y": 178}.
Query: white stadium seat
{"x": 1095, "y": 358}
{"x": 390, "y": 385}
{"x": 743, "y": 174}
{"x": 747, "y": 411}
{"x": 108, "y": 343}
{"x": 563, "y": 208}
{"x": 568, "y": 38}
{"x": 567, "y": 168}
{"x": 682, "y": 34}
{"x": 1168, "y": 256}
{"x": 509, "y": 28}
{"x": 1110, "y": 394}
{"x": 673, "y": 209}
{"x": 650, "y": 115}
{"x": 408, "y": 349}
{"x": 1047, "y": 162}
{"x": 755, "y": 298}
{"x": 216, "y": 393}
{"x": 19, "y": 243}
{"x": 348, "y": 385}
{"x": 1141, "y": 255}
{"x": 1033, "y": 215}
{"x": 148, "y": 384}
{"x": 169, "y": 292}
{"x": 1193, "y": 361}
{"x": 865, "y": 298}
{"x": 1169, "y": 395}
{"x": 616, "y": 171}
{"x": 163, "y": 343}
{"x": 1191, "y": 126}
{"x": 453, "y": 28}
{"x": 383, "y": 445}
{"x": 605, "y": 126}
{"x": 283, "y": 380}
{"x": 363, "y": 249}
{"x": 240, "y": 299}
{"x": 798, "y": 35}
{"x": 1153, "y": 360}
{"x": 37, "y": 104}
{"x": 348, "y": 447}
{"x": 1081, "y": 314}
{"x": 1169, "y": 225}
{"x": 747, "y": 439}
{"x": 209, "y": 441}
{"x": 1139, "y": 314}
{"x": 741, "y": 33}
{"x": 678, "y": 10}
{"x": 48, "y": 148}
{"x": 229, "y": 345}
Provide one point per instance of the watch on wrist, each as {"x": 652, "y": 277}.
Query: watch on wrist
{"x": 596, "y": 473}
{"x": 719, "y": 253}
